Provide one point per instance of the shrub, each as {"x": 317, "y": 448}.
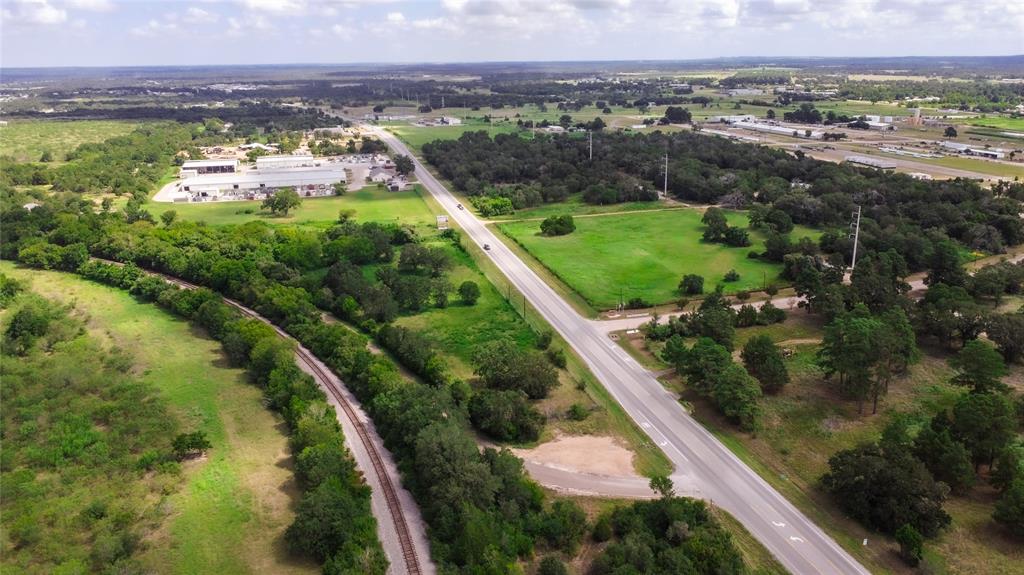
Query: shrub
{"x": 692, "y": 284}
{"x": 731, "y": 276}
{"x": 557, "y": 226}
{"x": 577, "y": 412}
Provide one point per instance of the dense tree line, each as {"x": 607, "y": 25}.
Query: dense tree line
{"x": 981, "y": 96}
{"x": 668, "y": 535}
{"x": 912, "y": 217}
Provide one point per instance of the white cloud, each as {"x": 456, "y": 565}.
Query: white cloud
{"x": 341, "y": 31}
{"x": 39, "y": 12}
{"x": 91, "y": 5}
{"x": 396, "y": 17}
{"x": 199, "y": 16}
{"x": 154, "y": 28}
{"x": 248, "y": 24}
{"x": 276, "y": 6}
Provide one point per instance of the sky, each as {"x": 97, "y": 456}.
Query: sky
{"x": 206, "y": 32}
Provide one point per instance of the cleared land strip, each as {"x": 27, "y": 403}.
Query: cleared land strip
{"x": 400, "y": 526}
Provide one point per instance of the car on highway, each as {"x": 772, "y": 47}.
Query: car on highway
{"x": 487, "y": 247}
{"x": 459, "y": 206}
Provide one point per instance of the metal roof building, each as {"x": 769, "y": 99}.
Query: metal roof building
{"x": 304, "y": 180}
{"x": 196, "y": 167}
{"x": 286, "y": 161}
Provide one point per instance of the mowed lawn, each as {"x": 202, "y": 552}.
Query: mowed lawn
{"x": 231, "y": 510}
{"x": 370, "y": 204}
{"x": 26, "y": 140}
{"x": 644, "y": 255}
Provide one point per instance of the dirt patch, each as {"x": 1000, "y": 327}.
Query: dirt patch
{"x": 584, "y": 453}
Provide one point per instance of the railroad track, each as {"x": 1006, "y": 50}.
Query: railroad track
{"x": 412, "y": 562}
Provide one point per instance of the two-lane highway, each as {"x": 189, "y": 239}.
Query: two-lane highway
{"x": 700, "y": 460}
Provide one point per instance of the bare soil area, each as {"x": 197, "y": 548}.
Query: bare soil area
{"x": 583, "y": 453}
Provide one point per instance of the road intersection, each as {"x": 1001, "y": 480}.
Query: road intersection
{"x": 704, "y": 467}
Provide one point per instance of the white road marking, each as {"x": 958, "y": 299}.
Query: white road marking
{"x": 645, "y": 425}
{"x": 778, "y": 524}
{"x": 797, "y": 539}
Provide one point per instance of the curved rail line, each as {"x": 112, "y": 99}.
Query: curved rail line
{"x": 412, "y": 562}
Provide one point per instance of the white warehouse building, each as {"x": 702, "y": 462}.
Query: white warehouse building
{"x": 197, "y": 167}
{"x": 792, "y": 131}
{"x": 308, "y": 182}
{"x": 286, "y": 161}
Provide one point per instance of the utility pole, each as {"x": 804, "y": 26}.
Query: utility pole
{"x": 664, "y": 192}
{"x": 856, "y": 238}
{"x": 590, "y": 134}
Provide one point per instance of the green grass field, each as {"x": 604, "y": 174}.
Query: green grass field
{"x": 370, "y": 204}
{"x": 26, "y": 140}
{"x": 416, "y": 136}
{"x": 644, "y": 255}
{"x": 233, "y": 506}
{"x": 1002, "y": 122}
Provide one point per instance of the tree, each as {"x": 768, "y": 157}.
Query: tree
{"x": 168, "y": 217}
{"x": 1007, "y": 332}
{"x": 282, "y": 202}
{"x": 505, "y": 415}
{"x": 564, "y": 525}
{"x": 702, "y": 363}
{"x": 911, "y": 543}
{"x": 770, "y": 114}
{"x": 979, "y": 367}
{"x": 1010, "y": 508}
{"x": 46, "y": 157}
{"x": 330, "y": 517}
{"x": 340, "y": 189}
{"x": 557, "y": 225}
{"x": 404, "y": 165}
{"x": 190, "y": 444}
{"x": 736, "y": 394}
{"x": 692, "y": 284}
{"x": 949, "y": 132}
{"x": 945, "y": 266}
{"x": 503, "y": 365}
{"x": 985, "y": 423}
{"x": 551, "y": 565}
{"x": 763, "y": 360}
{"x": 946, "y": 458}
{"x": 849, "y": 349}
{"x": 677, "y": 115}
{"x": 663, "y": 486}
{"x": 469, "y": 292}
{"x": 885, "y": 489}
{"x": 715, "y": 225}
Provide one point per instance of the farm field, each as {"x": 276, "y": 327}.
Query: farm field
{"x": 644, "y": 255}
{"x": 1002, "y": 122}
{"x": 370, "y": 204}
{"x": 807, "y": 422}
{"x": 26, "y": 140}
{"x": 233, "y": 506}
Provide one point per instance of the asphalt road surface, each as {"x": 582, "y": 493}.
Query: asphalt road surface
{"x": 698, "y": 457}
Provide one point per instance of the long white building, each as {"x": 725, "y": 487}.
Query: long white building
{"x": 256, "y": 185}
{"x": 287, "y": 161}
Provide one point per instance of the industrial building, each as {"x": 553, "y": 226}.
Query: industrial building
{"x": 200, "y": 167}
{"x": 991, "y": 153}
{"x": 879, "y": 163}
{"x": 792, "y": 131}
{"x": 286, "y": 161}
{"x": 254, "y": 185}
